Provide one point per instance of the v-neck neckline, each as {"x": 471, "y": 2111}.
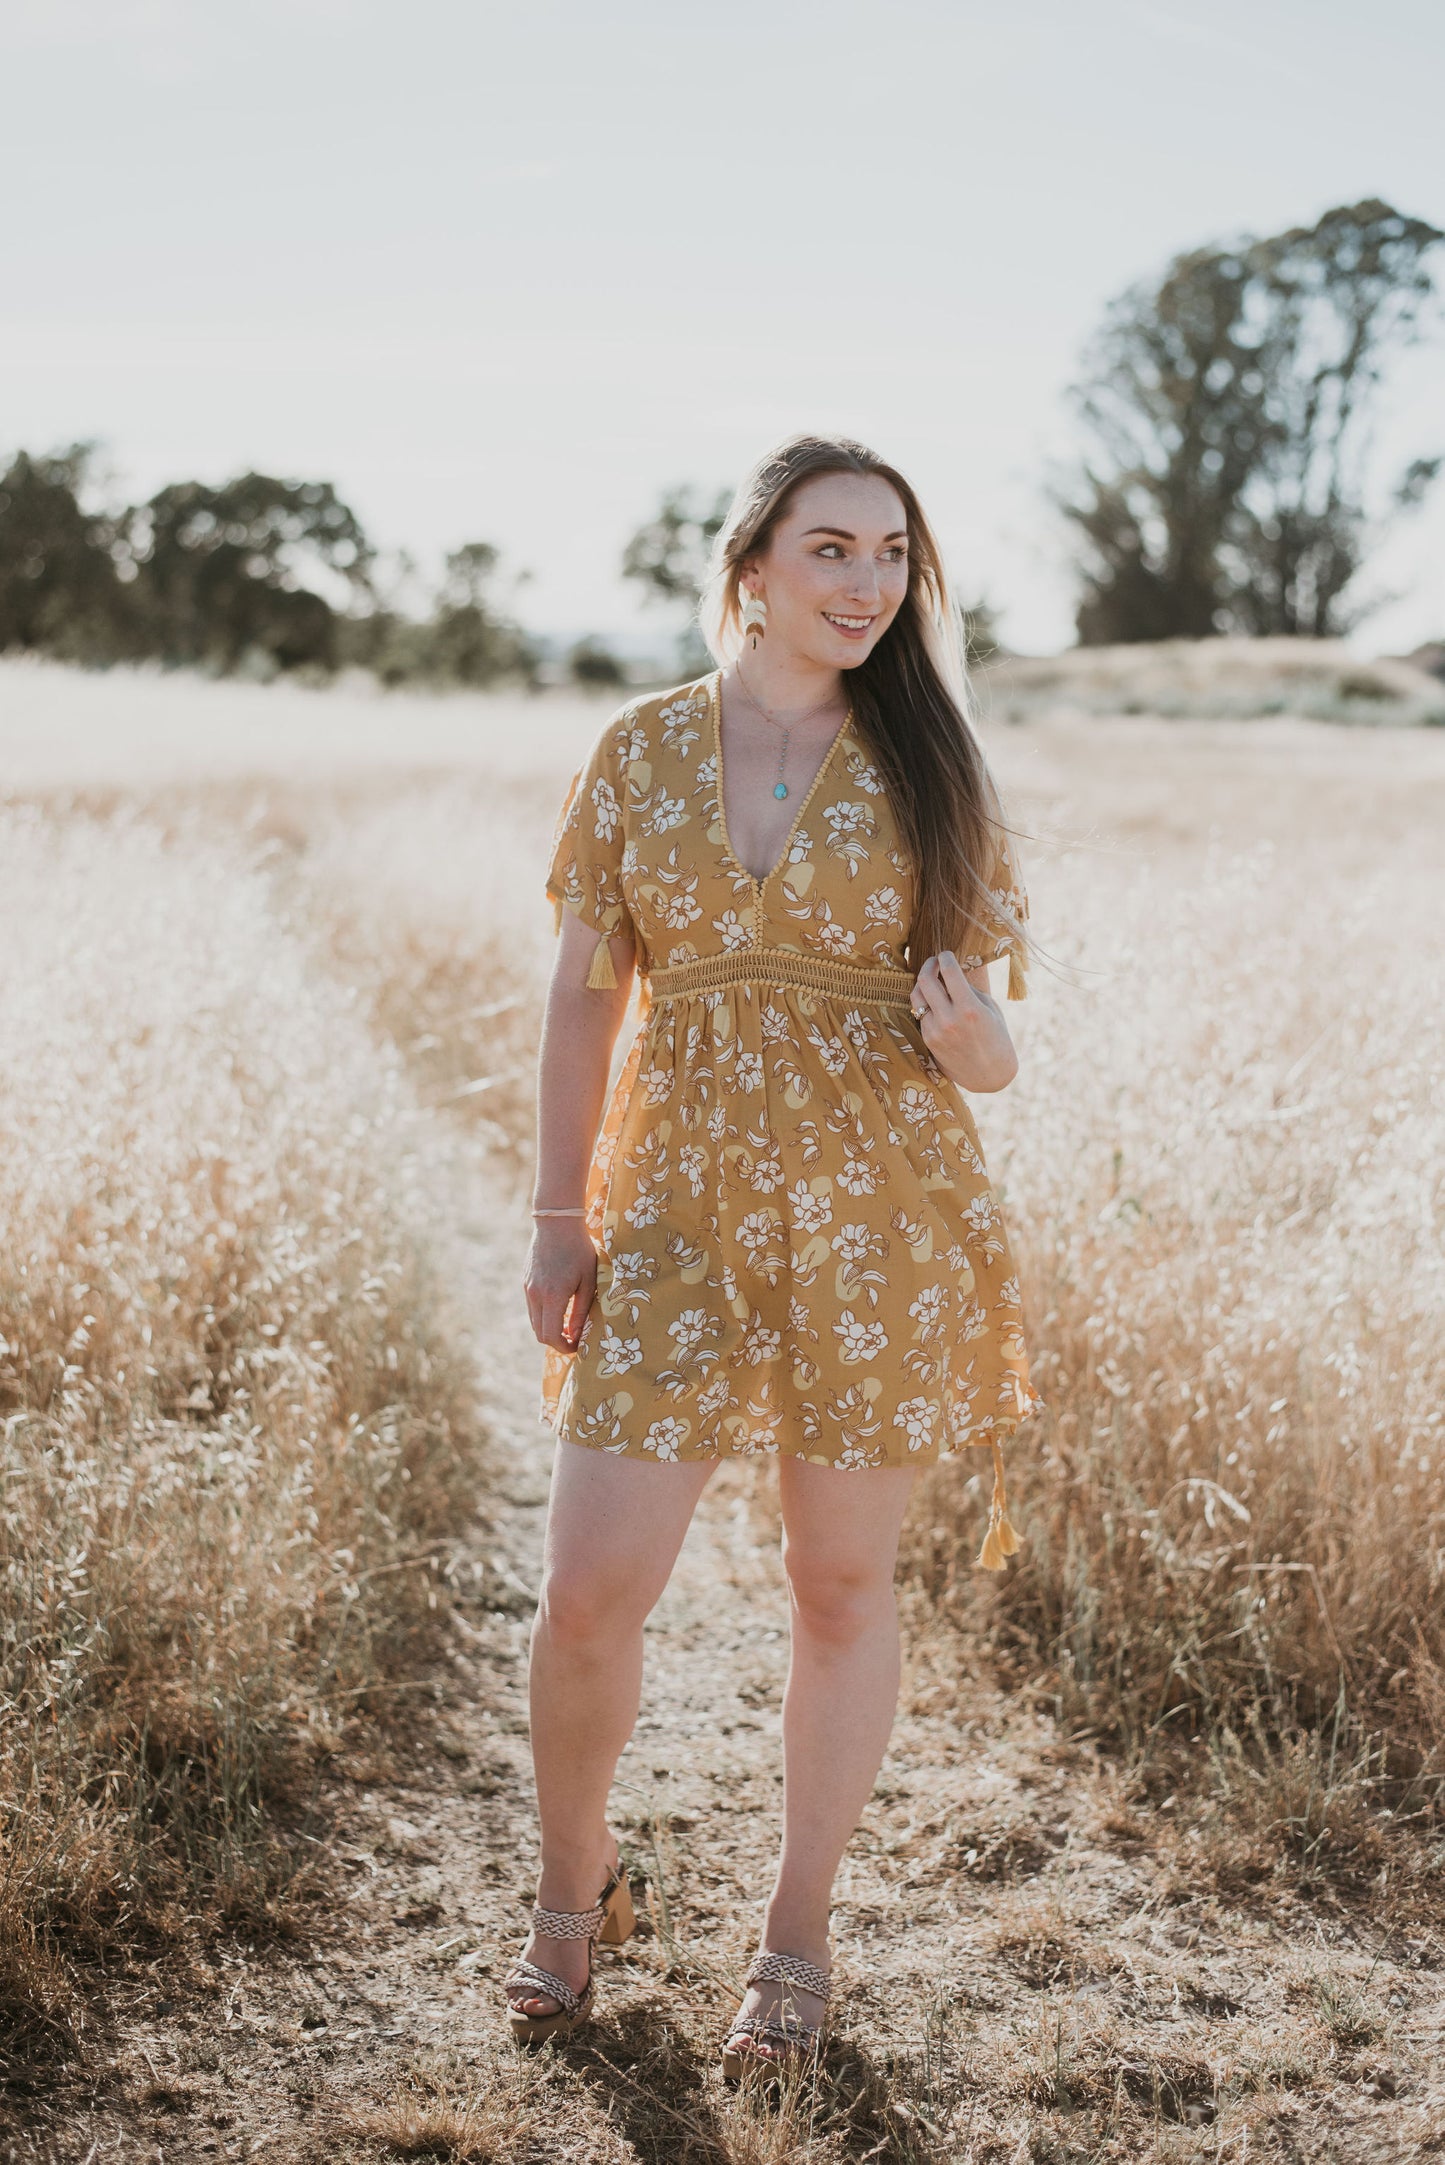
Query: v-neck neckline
{"x": 718, "y": 794}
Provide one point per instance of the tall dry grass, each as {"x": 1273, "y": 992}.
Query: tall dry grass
{"x": 1222, "y": 1163}
{"x": 1227, "y": 679}
{"x": 235, "y": 1426}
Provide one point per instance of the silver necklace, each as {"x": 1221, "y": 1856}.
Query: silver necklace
{"x": 780, "y": 787}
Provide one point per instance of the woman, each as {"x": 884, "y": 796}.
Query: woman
{"x": 784, "y": 1239}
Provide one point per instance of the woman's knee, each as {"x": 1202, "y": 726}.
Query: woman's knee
{"x": 838, "y": 1602}
{"x": 589, "y": 1601}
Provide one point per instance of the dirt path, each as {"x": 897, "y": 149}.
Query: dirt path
{"x": 1026, "y": 1970}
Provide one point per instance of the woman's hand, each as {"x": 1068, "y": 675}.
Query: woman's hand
{"x": 962, "y": 1024}
{"x": 561, "y": 1276}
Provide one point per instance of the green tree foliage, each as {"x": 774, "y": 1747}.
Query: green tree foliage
{"x": 257, "y": 573}
{"x": 62, "y": 588}
{"x": 472, "y": 640}
{"x": 223, "y": 573}
{"x": 1225, "y": 490}
{"x": 595, "y": 666}
{"x": 668, "y": 556}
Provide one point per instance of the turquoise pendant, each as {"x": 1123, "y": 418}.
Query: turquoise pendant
{"x": 780, "y": 789}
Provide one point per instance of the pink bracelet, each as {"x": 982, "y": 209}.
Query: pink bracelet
{"x": 578, "y": 1212}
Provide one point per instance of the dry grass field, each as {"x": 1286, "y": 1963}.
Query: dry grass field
{"x": 1155, "y": 1868}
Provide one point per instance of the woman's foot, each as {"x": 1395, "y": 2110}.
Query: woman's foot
{"x": 569, "y": 1959}
{"x": 791, "y": 2005}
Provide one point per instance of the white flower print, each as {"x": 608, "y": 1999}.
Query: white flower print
{"x": 689, "y": 1331}
{"x": 859, "y": 1341}
{"x": 854, "y": 1413}
{"x": 758, "y": 1433}
{"x": 929, "y": 1310}
{"x": 748, "y": 1071}
{"x": 714, "y": 1396}
{"x": 832, "y": 1052}
{"x": 628, "y": 1285}
{"x": 680, "y": 725}
{"x": 732, "y": 931}
{"x": 758, "y": 1236}
{"x": 918, "y": 1106}
{"x": 858, "y": 1177}
{"x": 829, "y": 934}
{"x": 811, "y": 1210}
{"x": 759, "y": 1343}
{"x": 606, "y": 811}
{"x": 692, "y": 1164}
{"x": 864, "y": 775}
{"x": 678, "y": 910}
{"x": 854, "y": 1242}
{"x": 793, "y": 1079}
{"x": 665, "y": 1438}
{"x": 918, "y": 1419}
{"x": 849, "y": 826}
{"x": 618, "y": 1354}
{"x": 982, "y": 1219}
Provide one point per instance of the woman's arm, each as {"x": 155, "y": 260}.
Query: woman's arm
{"x": 579, "y": 1030}
{"x": 962, "y": 1024}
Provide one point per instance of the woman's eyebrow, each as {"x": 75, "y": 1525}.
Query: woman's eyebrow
{"x": 843, "y": 534}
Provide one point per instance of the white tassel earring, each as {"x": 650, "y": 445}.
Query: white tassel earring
{"x": 755, "y": 619}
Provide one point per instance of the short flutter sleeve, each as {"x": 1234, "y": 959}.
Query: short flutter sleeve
{"x": 1006, "y": 887}
{"x": 584, "y": 873}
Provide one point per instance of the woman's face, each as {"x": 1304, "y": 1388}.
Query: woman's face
{"x": 835, "y": 569}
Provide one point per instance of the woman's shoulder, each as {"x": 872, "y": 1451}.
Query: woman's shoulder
{"x": 634, "y": 730}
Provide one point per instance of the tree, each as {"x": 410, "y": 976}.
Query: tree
{"x": 223, "y": 572}
{"x": 61, "y": 585}
{"x": 1228, "y": 405}
{"x": 668, "y": 557}
{"x": 595, "y": 666}
{"x": 470, "y": 640}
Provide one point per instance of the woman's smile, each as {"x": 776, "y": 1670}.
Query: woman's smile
{"x": 851, "y": 627}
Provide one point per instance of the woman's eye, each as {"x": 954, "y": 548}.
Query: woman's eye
{"x": 827, "y": 545}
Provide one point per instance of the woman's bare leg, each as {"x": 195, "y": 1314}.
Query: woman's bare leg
{"x": 840, "y": 1548}
{"x": 614, "y": 1528}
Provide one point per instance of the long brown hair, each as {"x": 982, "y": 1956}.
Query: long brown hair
{"x": 912, "y": 704}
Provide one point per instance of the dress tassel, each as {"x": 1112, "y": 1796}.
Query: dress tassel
{"x": 1017, "y": 982}
{"x": 602, "y": 975}
{"x": 1000, "y": 1540}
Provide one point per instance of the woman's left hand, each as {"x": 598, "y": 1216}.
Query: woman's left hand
{"x": 962, "y": 1025}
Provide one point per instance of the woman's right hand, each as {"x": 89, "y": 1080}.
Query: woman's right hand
{"x": 560, "y": 1281}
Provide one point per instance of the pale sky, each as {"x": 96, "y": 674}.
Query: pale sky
{"x": 506, "y": 272}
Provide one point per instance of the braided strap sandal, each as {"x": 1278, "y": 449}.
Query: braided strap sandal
{"x": 611, "y": 1920}
{"x": 797, "y": 2040}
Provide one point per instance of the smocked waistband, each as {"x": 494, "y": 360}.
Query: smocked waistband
{"x": 781, "y": 966}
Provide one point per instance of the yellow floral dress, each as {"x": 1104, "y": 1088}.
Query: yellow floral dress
{"x": 799, "y": 1251}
